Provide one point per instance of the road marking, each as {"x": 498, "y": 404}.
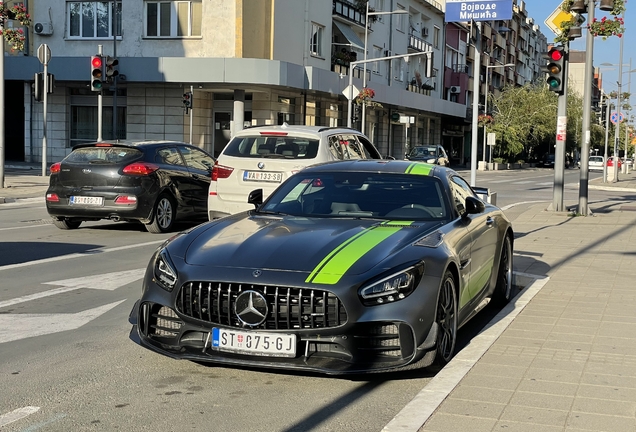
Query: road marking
{"x": 417, "y": 412}
{"x": 522, "y": 182}
{"x": 17, "y": 414}
{"x": 21, "y": 326}
{"x": 545, "y": 184}
{"x": 22, "y": 227}
{"x": 107, "y": 282}
{"x": 78, "y": 255}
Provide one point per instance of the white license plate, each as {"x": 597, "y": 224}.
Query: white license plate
{"x": 265, "y": 176}
{"x": 255, "y": 343}
{"x": 87, "y": 200}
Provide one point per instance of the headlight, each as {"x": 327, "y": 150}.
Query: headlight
{"x": 164, "y": 271}
{"x": 392, "y": 288}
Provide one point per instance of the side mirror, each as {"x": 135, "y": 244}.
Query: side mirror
{"x": 255, "y": 197}
{"x": 474, "y": 205}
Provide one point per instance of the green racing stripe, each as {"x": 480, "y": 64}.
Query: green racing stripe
{"x": 331, "y": 269}
{"x": 419, "y": 168}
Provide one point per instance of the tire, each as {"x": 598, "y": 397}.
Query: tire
{"x": 163, "y": 215}
{"x": 66, "y": 224}
{"x": 446, "y": 318}
{"x": 503, "y": 290}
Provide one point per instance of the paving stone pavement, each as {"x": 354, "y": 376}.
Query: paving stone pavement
{"x": 567, "y": 361}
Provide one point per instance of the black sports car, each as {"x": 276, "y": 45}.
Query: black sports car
{"x": 348, "y": 267}
{"x": 154, "y": 182}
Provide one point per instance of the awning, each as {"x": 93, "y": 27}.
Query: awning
{"x": 350, "y": 35}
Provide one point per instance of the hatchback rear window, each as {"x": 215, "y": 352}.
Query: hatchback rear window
{"x": 115, "y": 155}
{"x": 280, "y": 147}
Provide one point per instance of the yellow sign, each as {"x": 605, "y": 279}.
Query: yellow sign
{"x": 557, "y": 17}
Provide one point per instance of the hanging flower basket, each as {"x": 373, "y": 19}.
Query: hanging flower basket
{"x": 484, "y": 120}
{"x": 619, "y": 7}
{"x": 16, "y": 12}
{"x": 365, "y": 97}
{"x": 14, "y": 37}
{"x": 607, "y": 27}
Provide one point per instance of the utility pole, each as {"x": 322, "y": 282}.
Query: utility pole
{"x": 562, "y": 123}
{"x": 587, "y": 101}
{"x": 115, "y": 20}
{"x": 2, "y": 126}
{"x": 619, "y": 110}
{"x": 476, "y": 85}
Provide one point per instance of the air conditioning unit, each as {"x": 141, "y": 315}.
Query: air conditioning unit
{"x": 455, "y": 89}
{"x": 43, "y": 29}
{"x": 425, "y": 31}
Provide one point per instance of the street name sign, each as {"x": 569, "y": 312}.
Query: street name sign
{"x": 478, "y": 10}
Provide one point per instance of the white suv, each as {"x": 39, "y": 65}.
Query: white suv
{"x": 262, "y": 157}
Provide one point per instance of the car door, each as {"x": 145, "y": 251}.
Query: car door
{"x": 483, "y": 234}
{"x": 200, "y": 166}
{"x": 175, "y": 175}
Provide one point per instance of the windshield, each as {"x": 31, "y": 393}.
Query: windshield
{"x": 359, "y": 195}
{"x": 423, "y": 151}
{"x": 272, "y": 146}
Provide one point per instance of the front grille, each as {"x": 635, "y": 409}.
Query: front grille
{"x": 159, "y": 321}
{"x": 380, "y": 340}
{"x": 288, "y": 308}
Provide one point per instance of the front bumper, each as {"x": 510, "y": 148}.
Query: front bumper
{"x": 371, "y": 339}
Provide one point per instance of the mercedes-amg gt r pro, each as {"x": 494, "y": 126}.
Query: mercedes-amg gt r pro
{"x": 347, "y": 267}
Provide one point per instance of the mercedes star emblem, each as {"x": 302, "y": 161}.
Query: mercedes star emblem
{"x": 257, "y": 273}
{"x": 251, "y": 308}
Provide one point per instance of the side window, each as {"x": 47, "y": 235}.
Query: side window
{"x": 369, "y": 149}
{"x": 169, "y": 156}
{"x": 197, "y": 159}
{"x": 335, "y": 148}
{"x": 461, "y": 191}
{"x": 355, "y": 149}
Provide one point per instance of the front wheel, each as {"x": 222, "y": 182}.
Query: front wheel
{"x": 503, "y": 289}
{"x": 163, "y": 215}
{"x": 66, "y": 224}
{"x": 446, "y": 319}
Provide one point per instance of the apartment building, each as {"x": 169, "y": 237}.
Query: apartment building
{"x": 247, "y": 62}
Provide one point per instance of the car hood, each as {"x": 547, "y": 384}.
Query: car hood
{"x": 299, "y": 244}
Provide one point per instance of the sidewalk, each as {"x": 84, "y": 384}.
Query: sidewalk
{"x": 567, "y": 361}
{"x": 23, "y": 180}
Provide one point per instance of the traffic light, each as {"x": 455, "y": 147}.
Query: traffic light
{"x": 111, "y": 68}
{"x": 97, "y": 73}
{"x": 187, "y": 101}
{"x": 555, "y": 68}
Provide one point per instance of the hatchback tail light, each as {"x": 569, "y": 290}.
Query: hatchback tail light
{"x": 52, "y": 197}
{"x": 55, "y": 168}
{"x": 140, "y": 168}
{"x": 126, "y": 199}
{"x": 220, "y": 171}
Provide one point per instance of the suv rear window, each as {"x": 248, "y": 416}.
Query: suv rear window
{"x": 282, "y": 147}
{"x": 114, "y": 155}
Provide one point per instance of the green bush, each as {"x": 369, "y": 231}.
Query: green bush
{"x": 498, "y": 160}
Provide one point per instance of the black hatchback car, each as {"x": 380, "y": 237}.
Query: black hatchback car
{"x": 154, "y": 182}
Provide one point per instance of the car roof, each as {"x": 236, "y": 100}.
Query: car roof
{"x": 296, "y": 129}
{"x": 375, "y": 165}
{"x": 129, "y": 143}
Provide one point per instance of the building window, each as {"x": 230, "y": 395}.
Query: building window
{"x": 436, "y": 32}
{"x": 401, "y": 19}
{"x": 92, "y": 20}
{"x": 379, "y": 6}
{"x": 377, "y": 53}
{"x": 172, "y": 19}
{"x": 315, "y": 41}
{"x": 84, "y": 124}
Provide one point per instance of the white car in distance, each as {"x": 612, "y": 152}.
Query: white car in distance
{"x": 262, "y": 157}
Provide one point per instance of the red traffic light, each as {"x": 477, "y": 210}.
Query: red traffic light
{"x": 556, "y": 54}
{"x": 96, "y": 62}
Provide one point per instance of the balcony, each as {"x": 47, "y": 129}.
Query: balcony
{"x": 343, "y": 69}
{"x": 418, "y": 44}
{"x": 424, "y": 89}
{"x": 349, "y": 11}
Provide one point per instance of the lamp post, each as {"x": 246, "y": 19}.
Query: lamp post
{"x": 364, "y": 65}
{"x": 486, "y": 104}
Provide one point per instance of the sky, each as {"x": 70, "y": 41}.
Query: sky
{"x": 605, "y": 51}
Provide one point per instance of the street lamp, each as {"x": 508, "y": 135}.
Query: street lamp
{"x": 486, "y": 106}
{"x": 364, "y": 65}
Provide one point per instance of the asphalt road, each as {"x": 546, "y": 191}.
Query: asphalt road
{"x": 64, "y": 348}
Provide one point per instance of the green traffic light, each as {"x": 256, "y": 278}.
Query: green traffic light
{"x": 553, "y": 83}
